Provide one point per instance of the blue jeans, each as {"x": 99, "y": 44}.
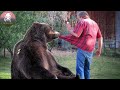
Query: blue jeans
{"x": 83, "y": 62}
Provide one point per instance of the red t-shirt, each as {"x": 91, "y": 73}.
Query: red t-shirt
{"x": 86, "y": 41}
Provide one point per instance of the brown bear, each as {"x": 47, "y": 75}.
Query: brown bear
{"x": 32, "y": 60}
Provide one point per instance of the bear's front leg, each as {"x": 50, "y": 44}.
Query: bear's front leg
{"x": 38, "y": 72}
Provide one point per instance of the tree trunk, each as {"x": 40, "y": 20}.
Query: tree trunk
{"x": 4, "y": 52}
{"x": 11, "y": 52}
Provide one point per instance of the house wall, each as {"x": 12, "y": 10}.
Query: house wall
{"x": 117, "y": 28}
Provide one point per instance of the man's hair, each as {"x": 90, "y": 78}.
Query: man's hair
{"x": 82, "y": 13}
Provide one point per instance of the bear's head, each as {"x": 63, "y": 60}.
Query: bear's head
{"x": 42, "y": 32}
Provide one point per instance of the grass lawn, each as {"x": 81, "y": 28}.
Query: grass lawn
{"x": 101, "y": 68}
{"x": 5, "y": 64}
{"x": 105, "y": 68}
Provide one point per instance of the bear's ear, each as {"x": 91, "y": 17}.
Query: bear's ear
{"x": 38, "y": 32}
{"x": 35, "y": 28}
{"x": 39, "y": 27}
{"x": 36, "y": 24}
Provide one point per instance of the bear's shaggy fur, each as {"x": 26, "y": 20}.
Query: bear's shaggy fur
{"x": 32, "y": 60}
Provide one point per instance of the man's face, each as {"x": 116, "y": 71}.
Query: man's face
{"x": 79, "y": 18}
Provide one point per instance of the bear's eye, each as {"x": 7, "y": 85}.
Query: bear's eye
{"x": 51, "y": 27}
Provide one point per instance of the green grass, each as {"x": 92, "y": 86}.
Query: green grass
{"x": 67, "y": 62}
{"x": 103, "y": 67}
{"x": 5, "y": 64}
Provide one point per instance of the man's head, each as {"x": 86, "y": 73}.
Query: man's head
{"x": 82, "y": 14}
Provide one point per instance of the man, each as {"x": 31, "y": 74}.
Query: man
{"x": 84, "y": 36}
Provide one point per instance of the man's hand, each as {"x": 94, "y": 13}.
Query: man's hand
{"x": 68, "y": 26}
{"x": 98, "y": 52}
{"x": 70, "y": 29}
{"x": 100, "y": 43}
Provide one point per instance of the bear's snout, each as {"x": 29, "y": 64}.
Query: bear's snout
{"x": 57, "y": 34}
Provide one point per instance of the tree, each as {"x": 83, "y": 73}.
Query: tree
{"x": 11, "y": 35}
